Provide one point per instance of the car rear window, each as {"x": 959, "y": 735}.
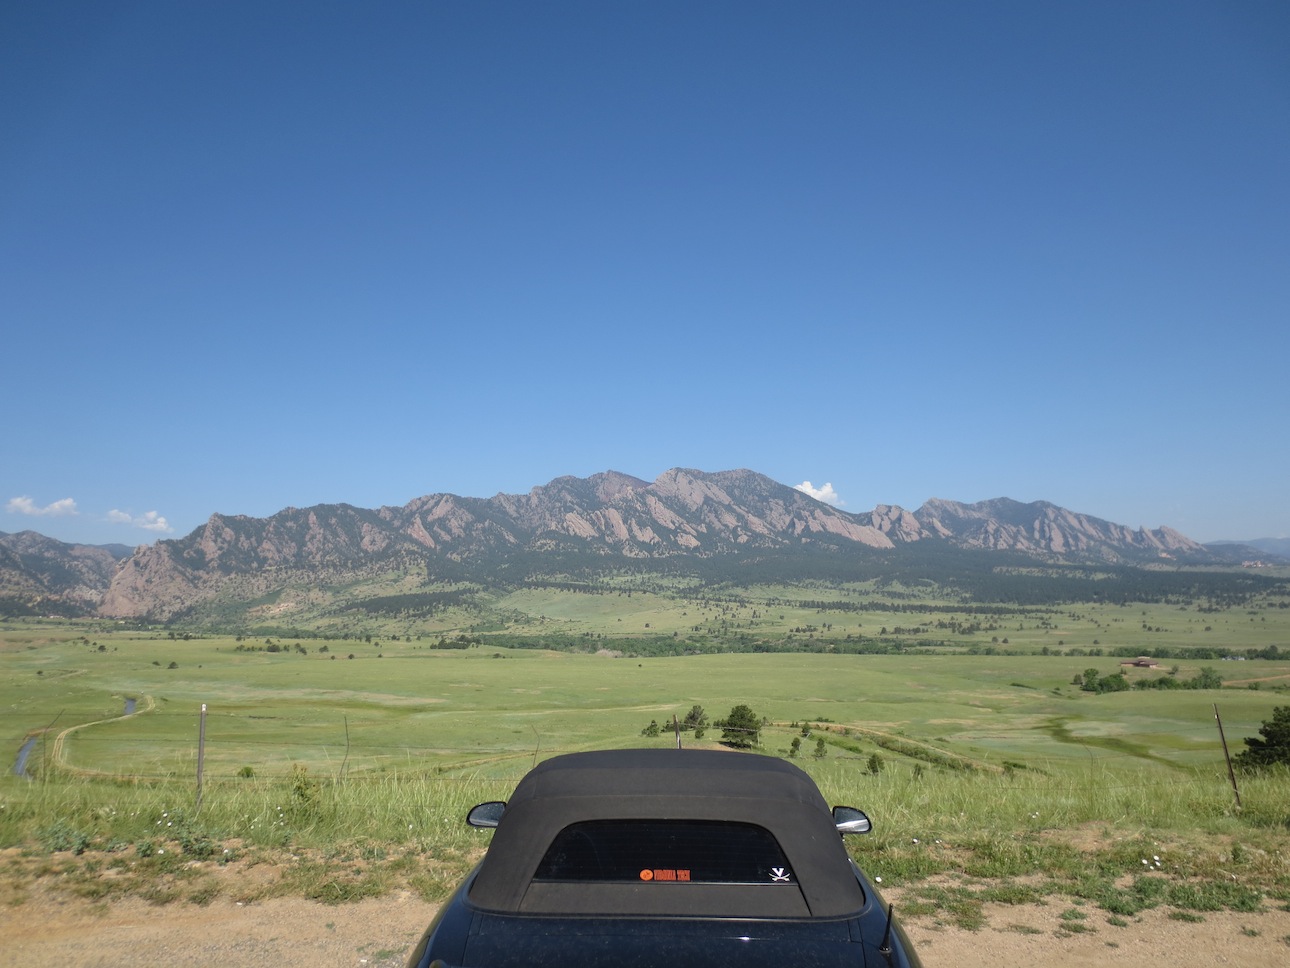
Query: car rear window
{"x": 665, "y": 851}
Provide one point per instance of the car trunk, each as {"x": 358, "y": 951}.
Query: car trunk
{"x": 570, "y": 942}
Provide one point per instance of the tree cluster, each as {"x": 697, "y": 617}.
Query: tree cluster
{"x": 741, "y": 729}
{"x": 1092, "y": 681}
{"x": 696, "y": 721}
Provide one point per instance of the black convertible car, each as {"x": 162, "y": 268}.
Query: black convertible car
{"x": 656, "y": 857}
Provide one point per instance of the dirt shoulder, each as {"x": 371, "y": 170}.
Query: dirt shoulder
{"x": 282, "y": 932}
{"x": 52, "y": 930}
{"x": 1029, "y": 935}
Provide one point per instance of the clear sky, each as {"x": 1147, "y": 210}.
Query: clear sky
{"x": 267, "y": 254}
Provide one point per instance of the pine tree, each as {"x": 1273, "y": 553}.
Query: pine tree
{"x": 1274, "y": 748}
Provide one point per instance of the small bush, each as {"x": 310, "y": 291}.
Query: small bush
{"x": 61, "y": 836}
{"x": 305, "y": 789}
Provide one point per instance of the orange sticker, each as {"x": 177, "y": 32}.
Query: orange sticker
{"x": 665, "y": 874}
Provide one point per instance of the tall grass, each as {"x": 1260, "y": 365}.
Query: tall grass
{"x": 1081, "y": 835}
{"x": 308, "y": 810}
{"x": 301, "y": 811}
{"x": 941, "y": 803}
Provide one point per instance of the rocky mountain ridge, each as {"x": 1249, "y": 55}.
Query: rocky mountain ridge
{"x": 53, "y": 576}
{"x": 682, "y": 513}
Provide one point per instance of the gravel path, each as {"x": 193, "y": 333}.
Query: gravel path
{"x": 286, "y": 933}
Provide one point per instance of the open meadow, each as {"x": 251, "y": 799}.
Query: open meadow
{"x": 344, "y": 766}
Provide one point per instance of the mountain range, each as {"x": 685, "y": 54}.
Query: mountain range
{"x": 684, "y": 515}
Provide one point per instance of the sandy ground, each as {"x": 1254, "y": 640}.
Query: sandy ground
{"x": 286, "y": 933}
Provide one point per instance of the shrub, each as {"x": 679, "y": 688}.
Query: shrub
{"x": 742, "y": 728}
{"x": 61, "y": 835}
{"x": 305, "y": 789}
{"x": 1273, "y": 748}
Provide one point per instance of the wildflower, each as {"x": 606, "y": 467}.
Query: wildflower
{"x": 915, "y": 840}
{"x": 1144, "y": 862}
{"x": 878, "y": 880}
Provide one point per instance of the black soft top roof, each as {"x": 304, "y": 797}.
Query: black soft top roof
{"x": 676, "y": 785}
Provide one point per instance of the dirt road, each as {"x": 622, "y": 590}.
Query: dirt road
{"x": 291, "y": 933}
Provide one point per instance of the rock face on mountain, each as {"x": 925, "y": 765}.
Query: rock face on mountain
{"x": 1007, "y": 525}
{"x": 39, "y": 575}
{"x": 683, "y": 512}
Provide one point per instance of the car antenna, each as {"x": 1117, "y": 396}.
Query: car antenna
{"x": 885, "y": 947}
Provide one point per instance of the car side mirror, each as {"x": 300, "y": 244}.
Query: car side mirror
{"x": 849, "y": 820}
{"x": 486, "y": 814}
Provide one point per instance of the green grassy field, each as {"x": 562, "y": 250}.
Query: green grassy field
{"x": 406, "y": 705}
{"x": 815, "y": 614}
{"x": 992, "y": 762}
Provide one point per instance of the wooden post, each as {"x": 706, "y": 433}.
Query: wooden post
{"x": 201, "y": 755}
{"x": 1231, "y": 774}
{"x": 676, "y": 728}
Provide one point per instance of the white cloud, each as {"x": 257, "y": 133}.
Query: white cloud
{"x": 149, "y": 521}
{"x": 25, "y": 505}
{"x": 825, "y": 493}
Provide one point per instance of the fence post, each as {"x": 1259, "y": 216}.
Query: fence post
{"x": 1231, "y": 774}
{"x": 201, "y": 755}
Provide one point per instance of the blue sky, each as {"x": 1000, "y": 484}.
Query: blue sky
{"x": 258, "y": 255}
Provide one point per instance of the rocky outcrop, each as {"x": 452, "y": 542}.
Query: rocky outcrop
{"x": 1046, "y": 529}
{"x": 683, "y": 512}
